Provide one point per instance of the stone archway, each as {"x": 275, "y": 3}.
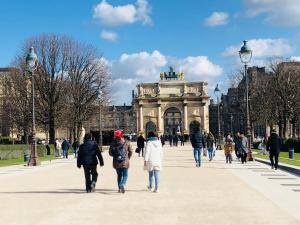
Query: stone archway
{"x": 194, "y": 126}
{"x": 172, "y": 121}
{"x": 150, "y": 126}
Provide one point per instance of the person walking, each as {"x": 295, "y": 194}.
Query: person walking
{"x": 175, "y": 140}
{"x": 181, "y": 137}
{"x": 210, "y": 140}
{"x": 121, "y": 152}
{"x": 88, "y": 156}
{"x": 57, "y": 147}
{"x": 65, "y": 147}
{"x": 75, "y": 147}
{"x": 237, "y": 145}
{"x": 153, "y": 160}
{"x": 170, "y": 140}
{"x": 141, "y": 144}
{"x": 243, "y": 148}
{"x": 228, "y": 148}
{"x": 197, "y": 140}
{"x": 273, "y": 147}
{"x": 162, "y": 140}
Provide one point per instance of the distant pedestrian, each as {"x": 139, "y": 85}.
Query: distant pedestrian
{"x": 162, "y": 140}
{"x": 243, "y": 148}
{"x": 228, "y": 148}
{"x": 141, "y": 144}
{"x": 121, "y": 152}
{"x": 75, "y": 147}
{"x": 210, "y": 140}
{"x": 153, "y": 160}
{"x": 48, "y": 149}
{"x": 88, "y": 156}
{"x": 57, "y": 147}
{"x": 175, "y": 140}
{"x": 237, "y": 145}
{"x": 197, "y": 140}
{"x": 65, "y": 147}
{"x": 273, "y": 146}
{"x": 181, "y": 137}
{"x": 170, "y": 139}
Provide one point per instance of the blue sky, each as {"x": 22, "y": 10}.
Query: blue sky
{"x": 140, "y": 38}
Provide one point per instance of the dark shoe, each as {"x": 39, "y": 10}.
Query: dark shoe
{"x": 88, "y": 191}
{"x": 272, "y": 167}
{"x": 93, "y": 186}
{"x": 122, "y": 190}
{"x": 275, "y": 168}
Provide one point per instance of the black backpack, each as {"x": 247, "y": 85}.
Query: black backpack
{"x": 119, "y": 153}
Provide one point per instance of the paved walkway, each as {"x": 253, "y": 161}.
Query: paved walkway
{"x": 217, "y": 193}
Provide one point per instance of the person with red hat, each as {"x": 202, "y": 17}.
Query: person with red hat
{"x": 121, "y": 151}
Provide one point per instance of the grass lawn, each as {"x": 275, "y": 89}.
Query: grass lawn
{"x": 10, "y": 162}
{"x": 283, "y": 157}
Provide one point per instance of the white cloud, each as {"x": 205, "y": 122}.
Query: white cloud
{"x": 263, "y": 48}
{"x": 109, "y": 35}
{"x": 130, "y": 69}
{"x": 199, "y": 67}
{"x": 216, "y": 19}
{"x": 110, "y": 15}
{"x": 278, "y": 12}
{"x": 142, "y": 64}
{"x": 295, "y": 58}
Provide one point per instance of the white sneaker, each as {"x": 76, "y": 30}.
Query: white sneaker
{"x": 149, "y": 188}
{"x": 155, "y": 190}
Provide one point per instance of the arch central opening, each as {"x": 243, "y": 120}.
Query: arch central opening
{"x": 172, "y": 121}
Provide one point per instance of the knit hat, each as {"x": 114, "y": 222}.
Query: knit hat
{"x": 118, "y": 134}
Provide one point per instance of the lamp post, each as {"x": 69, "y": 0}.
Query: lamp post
{"x": 100, "y": 122}
{"x": 246, "y": 55}
{"x": 217, "y": 92}
{"x": 31, "y": 63}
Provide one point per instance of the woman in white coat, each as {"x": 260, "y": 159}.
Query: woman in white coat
{"x": 153, "y": 160}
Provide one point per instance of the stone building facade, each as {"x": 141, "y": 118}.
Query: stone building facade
{"x": 171, "y": 106}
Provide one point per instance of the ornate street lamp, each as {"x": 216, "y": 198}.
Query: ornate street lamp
{"x": 217, "y": 93}
{"x": 100, "y": 120}
{"x": 246, "y": 56}
{"x": 31, "y": 63}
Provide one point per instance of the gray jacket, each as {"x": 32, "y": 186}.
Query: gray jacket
{"x": 244, "y": 145}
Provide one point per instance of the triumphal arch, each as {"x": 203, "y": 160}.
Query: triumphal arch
{"x": 172, "y": 106}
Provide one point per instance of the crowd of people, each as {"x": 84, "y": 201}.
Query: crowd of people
{"x": 89, "y": 154}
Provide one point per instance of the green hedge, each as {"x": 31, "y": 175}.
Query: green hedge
{"x": 18, "y": 150}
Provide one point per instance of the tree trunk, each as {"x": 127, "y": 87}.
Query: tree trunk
{"x": 51, "y": 129}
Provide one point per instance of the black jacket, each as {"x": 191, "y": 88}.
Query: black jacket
{"x": 197, "y": 140}
{"x": 274, "y": 143}
{"x": 88, "y": 154}
{"x": 141, "y": 142}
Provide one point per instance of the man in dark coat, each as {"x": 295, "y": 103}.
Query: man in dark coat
{"x": 88, "y": 156}
{"x": 198, "y": 142}
{"x": 65, "y": 147}
{"x": 141, "y": 144}
{"x": 273, "y": 146}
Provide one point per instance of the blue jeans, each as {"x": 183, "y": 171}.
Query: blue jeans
{"x": 75, "y": 150}
{"x": 156, "y": 175}
{"x": 65, "y": 153}
{"x": 210, "y": 153}
{"x": 122, "y": 177}
{"x": 197, "y": 155}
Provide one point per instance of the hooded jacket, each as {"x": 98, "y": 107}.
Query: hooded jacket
{"x": 153, "y": 154}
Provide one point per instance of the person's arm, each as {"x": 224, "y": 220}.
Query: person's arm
{"x": 79, "y": 158}
{"x": 203, "y": 142}
{"x": 99, "y": 156}
{"x": 129, "y": 150}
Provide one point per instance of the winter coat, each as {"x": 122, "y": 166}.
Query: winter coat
{"x": 244, "y": 145}
{"x": 65, "y": 145}
{"x": 197, "y": 140}
{"x": 141, "y": 142}
{"x": 228, "y": 147}
{"x": 274, "y": 143}
{"x": 88, "y": 153}
{"x": 75, "y": 145}
{"x": 114, "y": 146}
{"x": 210, "y": 140}
{"x": 153, "y": 154}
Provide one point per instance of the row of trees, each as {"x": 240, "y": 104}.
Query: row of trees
{"x": 274, "y": 96}
{"x": 71, "y": 80}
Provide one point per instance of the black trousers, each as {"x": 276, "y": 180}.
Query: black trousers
{"x": 91, "y": 175}
{"x": 141, "y": 151}
{"x": 274, "y": 155}
{"x": 243, "y": 156}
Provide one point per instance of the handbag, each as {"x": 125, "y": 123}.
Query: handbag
{"x": 137, "y": 150}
